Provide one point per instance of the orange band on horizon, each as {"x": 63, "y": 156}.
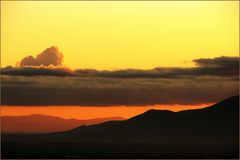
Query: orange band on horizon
{"x": 80, "y": 112}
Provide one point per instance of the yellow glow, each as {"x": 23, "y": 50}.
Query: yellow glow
{"x": 120, "y": 34}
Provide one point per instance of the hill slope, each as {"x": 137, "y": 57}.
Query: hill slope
{"x": 38, "y": 123}
{"x": 215, "y": 124}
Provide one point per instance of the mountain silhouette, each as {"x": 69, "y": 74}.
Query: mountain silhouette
{"x": 38, "y": 123}
{"x": 215, "y": 124}
{"x": 211, "y": 132}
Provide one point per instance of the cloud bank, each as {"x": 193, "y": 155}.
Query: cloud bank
{"x": 38, "y": 71}
{"x": 44, "y": 81}
{"x": 97, "y": 91}
{"x": 219, "y": 67}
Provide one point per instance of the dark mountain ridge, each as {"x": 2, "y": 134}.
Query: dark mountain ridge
{"x": 211, "y": 132}
{"x": 216, "y": 123}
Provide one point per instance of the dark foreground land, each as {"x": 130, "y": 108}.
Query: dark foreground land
{"x": 212, "y": 132}
{"x": 61, "y": 149}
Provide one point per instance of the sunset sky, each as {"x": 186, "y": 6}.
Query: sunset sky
{"x": 118, "y": 34}
{"x": 164, "y": 55}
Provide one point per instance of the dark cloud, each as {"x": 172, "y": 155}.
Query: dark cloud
{"x": 38, "y": 71}
{"x": 210, "y": 81}
{"x": 96, "y": 91}
{"x": 219, "y": 62}
{"x": 219, "y": 67}
{"x": 50, "y": 56}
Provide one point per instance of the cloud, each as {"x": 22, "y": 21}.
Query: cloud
{"x": 210, "y": 81}
{"x": 38, "y": 71}
{"x": 218, "y": 62}
{"x": 100, "y": 91}
{"x": 50, "y": 56}
{"x": 219, "y": 67}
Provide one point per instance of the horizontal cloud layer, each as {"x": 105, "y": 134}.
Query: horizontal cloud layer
{"x": 96, "y": 91}
{"x": 219, "y": 66}
{"x": 210, "y": 81}
{"x": 38, "y": 71}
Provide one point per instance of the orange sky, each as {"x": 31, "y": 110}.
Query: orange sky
{"x": 79, "y": 112}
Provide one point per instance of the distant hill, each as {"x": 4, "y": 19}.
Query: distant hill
{"x": 38, "y": 123}
{"x": 218, "y": 123}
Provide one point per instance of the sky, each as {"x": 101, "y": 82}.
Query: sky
{"x": 119, "y": 34}
{"x": 77, "y": 112}
{"x": 93, "y": 59}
